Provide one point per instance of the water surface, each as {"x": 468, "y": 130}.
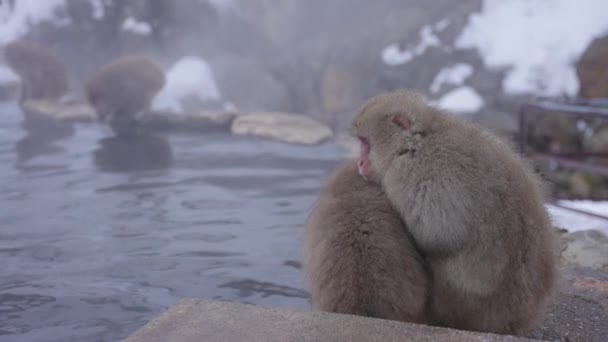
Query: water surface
{"x": 98, "y": 235}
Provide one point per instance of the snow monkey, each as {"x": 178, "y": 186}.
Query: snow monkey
{"x": 358, "y": 255}
{"x": 474, "y": 208}
{"x": 123, "y": 90}
{"x": 43, "y": 75}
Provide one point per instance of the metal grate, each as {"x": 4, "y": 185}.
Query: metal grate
{"x": 577, "y": 108}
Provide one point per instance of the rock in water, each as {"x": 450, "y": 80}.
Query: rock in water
{"x": 289, "y": 128}
{"x": 56, "y": 110}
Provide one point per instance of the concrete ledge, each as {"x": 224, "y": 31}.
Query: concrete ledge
{"x": 195, "y": 320}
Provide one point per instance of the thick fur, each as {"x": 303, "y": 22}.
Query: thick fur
{"x": 359, "y": 258}
{"x": 43, "y": 75}
{"x": 125, "y": 88}
{"x": 474, "y": 208}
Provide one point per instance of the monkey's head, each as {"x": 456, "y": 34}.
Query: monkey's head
{"x": 391, "y": 126}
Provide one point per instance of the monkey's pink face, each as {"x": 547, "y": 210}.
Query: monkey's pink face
{"x": 399, "y": 125}
{"x": 364, "y": 164}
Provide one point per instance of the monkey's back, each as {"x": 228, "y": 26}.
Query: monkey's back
{"x": 359, "y": 258}
{"x": 501, "y": 280}
{"x": 129, "y": 84}
{"x": 43, "y": 74}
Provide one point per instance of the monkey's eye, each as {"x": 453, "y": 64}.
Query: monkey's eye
{"x": 363, "y": 140}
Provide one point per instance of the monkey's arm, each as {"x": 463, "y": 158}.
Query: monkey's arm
{"x": 438, "y": 207}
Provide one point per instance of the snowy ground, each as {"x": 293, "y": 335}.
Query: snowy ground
{"x": 574, "y": 221}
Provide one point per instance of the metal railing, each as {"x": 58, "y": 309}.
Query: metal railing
{"x": 578, "y": 109}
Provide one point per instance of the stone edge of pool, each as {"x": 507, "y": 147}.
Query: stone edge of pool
{"x": 209, "y": 320}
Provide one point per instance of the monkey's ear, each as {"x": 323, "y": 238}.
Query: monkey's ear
{"x": 401, "y": 120}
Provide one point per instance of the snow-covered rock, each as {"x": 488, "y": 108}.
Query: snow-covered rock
{"x": 189, "y": 77}
{"x": 82, "y": 112}
{"x": 59, "y": 111}
{"x": 453, "y": 75}
{"x": 461, "y": 100}
{"x": 575, "y": 221}
{"x": 289, "y": 128}
{"x": 538, "y": 41}
{"x": 392, "y": 55}
{"x": 587, "y": 248}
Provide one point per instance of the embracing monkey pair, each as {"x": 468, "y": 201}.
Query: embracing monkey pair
{"x": 439, "y": 222}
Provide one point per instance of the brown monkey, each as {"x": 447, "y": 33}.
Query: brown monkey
{"x": 43, "y": 75}
{"x": 358, "y": 255}
{"x": 474, "y": 208}
{"x": 123, "y": 90}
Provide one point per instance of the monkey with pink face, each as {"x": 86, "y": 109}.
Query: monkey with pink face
{"x": 474, "y": 208}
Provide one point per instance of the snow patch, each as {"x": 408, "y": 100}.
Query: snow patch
{"x": 427, "y": 39}
{"x": 190, "y": 76}
{"x": 596, "y": 207}
{"x": 573, "y": 221}
{"x": 538, "y": 40}
{"x": 461, "y": 100}
{"x": 456, "y": 75}
{"x": 16, "y": 23}
{"x": 392, "y": 55}
{"x": 138, "y": 27}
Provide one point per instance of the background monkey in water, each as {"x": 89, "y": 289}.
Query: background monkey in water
{"x": 43, "y": 75}
{"x": 123, "y": 90}
{"x": 474, "y": 208}
{"x": 359, "y": 257}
